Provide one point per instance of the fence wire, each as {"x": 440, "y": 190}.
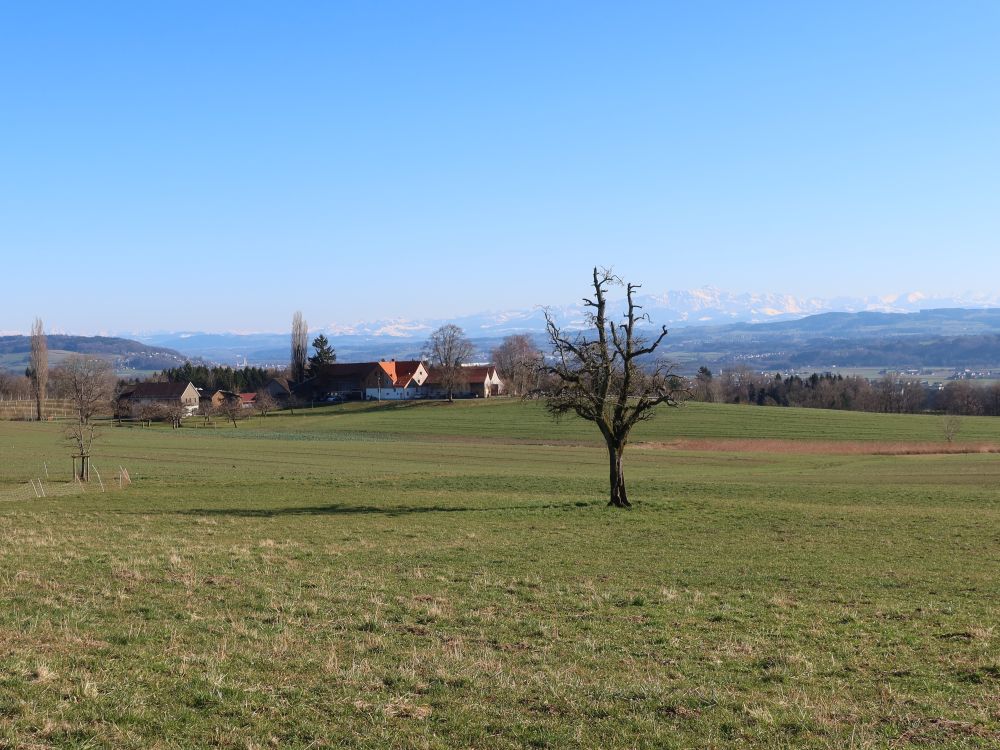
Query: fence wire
{"x": 34, "y": 490}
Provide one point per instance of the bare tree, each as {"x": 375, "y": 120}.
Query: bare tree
{"x": 601, "y": 377}
{"x": 704, "y": 385}
{"x": 447, "y": 350}
{"x": 896, "y": 394}
{"x": 173, "y": 412}
{"x": 6, "y": 385}
{"x": 146, "y": 413}
{"x": 38, "y": 367}
{"x": 89, "y": 384}
{"x": 232, "y": 408}
{"x": 207, "y": 410}
{"x": 962, "y": 397}
{"x": 300, "y": 347}
{"x": 737, "y": 385}
{"x": 519, "y": 362}
{"x": 950, "y": 426}
{"x": 265, "y": 402}
{"x": 15, "y": 386}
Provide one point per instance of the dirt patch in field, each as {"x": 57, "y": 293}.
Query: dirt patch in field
{"x": 819, "y": 447}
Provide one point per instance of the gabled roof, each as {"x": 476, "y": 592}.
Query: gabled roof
{"x": 405, "y": 369}
{"x": 248, "y": 398}
{"x": 156, "y": 390}
{"x": 282, "y": 383}
{"x": 470, "y": 374}
{"x": 346, "y": 369}
{"x": 478, "y": 373}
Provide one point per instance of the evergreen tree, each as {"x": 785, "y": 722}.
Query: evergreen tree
{"x": 324, "y": 355}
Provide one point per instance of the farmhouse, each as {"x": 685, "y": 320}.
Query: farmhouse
{"x": 280, "y": 389}
{"x": 479, "y": 381}
{"x": 385, "y": 379}
{"x": 345, "y": 379}
{"x": 393, "y": 380}
{"x": 399, "y": 381}
{"x": 158, "y": 394}
{"x": 211, "y": 398}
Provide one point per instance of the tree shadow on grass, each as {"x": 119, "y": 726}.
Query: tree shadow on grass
{"x": 332, "y": 509}
{"x": 343, "y": 509}
{"x": 367, "y": 406}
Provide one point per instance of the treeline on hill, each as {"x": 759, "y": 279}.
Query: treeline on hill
{"x": 901, "y": 351}
{"x": 85, "y": 345}
{"x": 893, "y": 393}
{"x": 243, "y": 380}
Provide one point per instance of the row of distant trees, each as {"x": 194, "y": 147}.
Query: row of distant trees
{"x": 242, "y": 380}
{"x": 230, "y": 410}
{"x": 893, "y": 393}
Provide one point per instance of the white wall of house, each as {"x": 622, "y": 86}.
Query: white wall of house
{"x": 389, "y": 393}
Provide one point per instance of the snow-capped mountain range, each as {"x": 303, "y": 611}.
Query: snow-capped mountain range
{"x": 684, "y": 312}
{"x": 705, "y": 306}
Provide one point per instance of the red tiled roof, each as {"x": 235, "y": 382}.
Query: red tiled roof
{"x": 248, "y": 398}
{"x": 477, "y": 373}
{"x": 402, "y": 371}
{"x": 389, "y": 368}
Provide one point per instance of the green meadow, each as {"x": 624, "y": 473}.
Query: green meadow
{"x": 448, "y": 576}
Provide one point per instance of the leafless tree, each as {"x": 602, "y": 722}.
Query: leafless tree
{"x": 602, "y": 378}
{"x": 146, "y": 413}
{"x": 300, "y": 347}
{"x": 519, "y": 363}
{"x": 38, "y": 367}
{"x": 6, "y": 384}
{"x": 737, "y": 385}
{"x": 232, "y": 408}
{"x": 962, "y": 397}
{"x": 15, "y": 386}
{"x": 207, "y": 410}
{"x": 265, "y": 402}
{"x": 991, "y": 400}
{"x": 895, "y": 394}
{"x": 704, "y": 386}
{"x": 950, "y": 426}
{"x": 172, "y": 413}
{"x": 447, "y": 350}
{"x": 87, "y": 382}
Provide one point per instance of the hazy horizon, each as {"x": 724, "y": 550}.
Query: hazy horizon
{"x": 907, "y": 302}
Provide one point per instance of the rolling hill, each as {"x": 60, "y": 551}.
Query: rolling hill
{"x": 128, "y": 356}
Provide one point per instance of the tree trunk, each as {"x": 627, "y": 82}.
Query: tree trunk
{"x": 619, "y": 498}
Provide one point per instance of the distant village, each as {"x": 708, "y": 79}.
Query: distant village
{"x": 383, "y": 380}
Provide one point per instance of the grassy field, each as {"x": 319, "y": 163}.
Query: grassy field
{"x": 448, "y": 576}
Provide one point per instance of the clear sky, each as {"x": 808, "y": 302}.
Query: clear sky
{"x": 216, "y": 166}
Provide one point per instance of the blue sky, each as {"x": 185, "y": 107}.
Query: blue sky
{"x": 216, "y": 166}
